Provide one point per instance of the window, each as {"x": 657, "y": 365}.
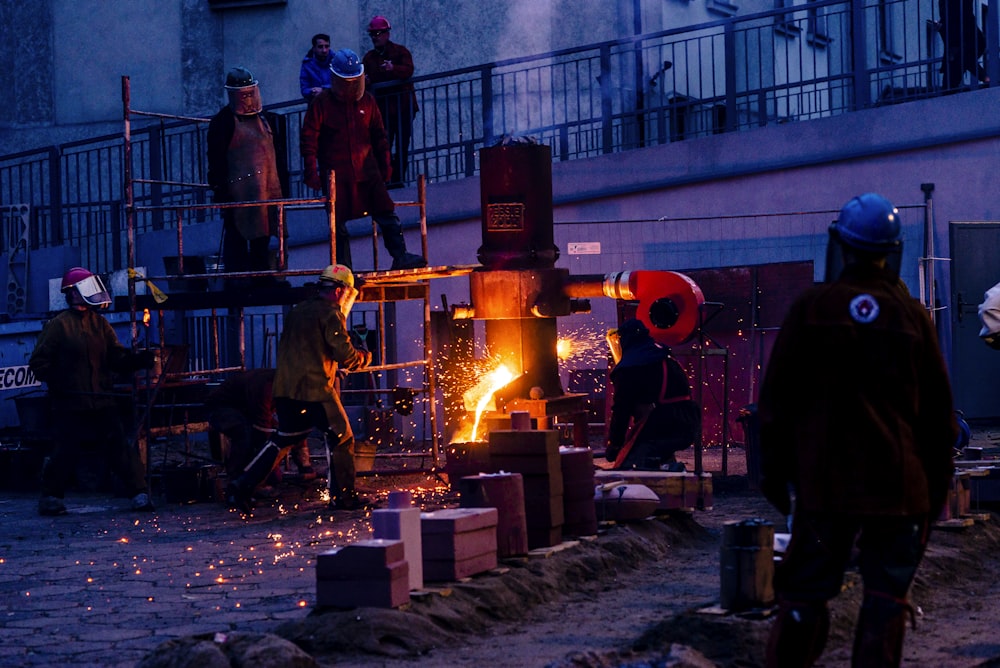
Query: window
{"x": 886, "y": 25}
{"x": 785, "y": 22}
{"x": 818, "y": 36}
{"x": 722, "y": 7}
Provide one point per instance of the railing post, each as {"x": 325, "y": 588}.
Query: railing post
{"x": 607, "y": 122}
{"x": 729, "y": 48}
{"x": 486, "y": 77}
{"x": 859, "y": 64}
{"x": 155, "y": 158}
{"x": 55, "y": 194}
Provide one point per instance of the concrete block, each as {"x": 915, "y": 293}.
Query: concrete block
{"x": 527, "y": 464}
{"x": 535, "y": 442}
{"x": 544, "y": 510}
{"x": 544, "y": 536}
{"x": 441, "y": 570}
{"x": 505, "y": 492}
{"x": 542, "y": 485}
{"x": 390, "y": 592}
{"x": 402, "y": 524}
{"x": 459, "y": 546}
{"x": 364, "y": 558}
{"x": 457, "y": 520}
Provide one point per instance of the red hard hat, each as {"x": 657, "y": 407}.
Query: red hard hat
{"x": 379, "y": 23}
{"x": 74, "y": 276}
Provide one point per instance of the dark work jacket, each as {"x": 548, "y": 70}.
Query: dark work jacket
{"x": 856, "y": 410}
{"x": 393, "y": 87}
{"x": 314, "y": 344}
{"x": 77, "y": 355}
{"x": 637, "y": 381}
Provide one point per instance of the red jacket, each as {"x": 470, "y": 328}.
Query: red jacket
{"x": 349, "y": 138}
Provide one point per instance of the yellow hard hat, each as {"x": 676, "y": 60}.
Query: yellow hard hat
{"x": 337, "y": 273}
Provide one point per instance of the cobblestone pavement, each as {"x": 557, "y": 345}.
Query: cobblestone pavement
{"x": 103, "y": 586}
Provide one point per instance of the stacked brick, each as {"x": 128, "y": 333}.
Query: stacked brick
{"x": 505, "y": 492}
{"x": 458, "y": 542}
{"x": 401, "y": 521}
{"x": 579, "y": 510}
{"x": 535, "y": 455}
{"x": 371, "y": 573}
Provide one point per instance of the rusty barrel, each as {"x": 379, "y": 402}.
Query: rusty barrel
{"x": 579, "y": 510}
{"x": 747, "y": 565}
{"x": 505, "y": 492}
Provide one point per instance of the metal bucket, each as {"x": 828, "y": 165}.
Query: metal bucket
{"x": 747, "y": 565}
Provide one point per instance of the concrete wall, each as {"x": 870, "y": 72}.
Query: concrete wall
{"x": 62, "y": 80}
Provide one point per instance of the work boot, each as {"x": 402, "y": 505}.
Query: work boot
{"x": 239, "y": 499}
{"x": 350, "y": 501}
{"x": 408, "y": 261}
{"x": 798, "y": 634}
{"x": 141, "y": 502}
{"x": 51, "y": 505}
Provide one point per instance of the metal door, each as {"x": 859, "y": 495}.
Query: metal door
{"x": 975, "y": 267}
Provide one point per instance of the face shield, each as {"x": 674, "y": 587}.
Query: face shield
{"x": 345, "y": 301}
{"x": 244, "y": 100}
{"x": 348, "y": 90}
{"x": 615, "y": 344}
{"x": 835, "y": 260}
{"x": 90, "y": 291}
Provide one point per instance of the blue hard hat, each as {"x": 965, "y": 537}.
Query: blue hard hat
{"x": 870, "y": 223}
{"x": 346, "y": 64}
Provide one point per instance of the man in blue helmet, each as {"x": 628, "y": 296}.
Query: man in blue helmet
{"x": 342, "y": 132}
{"x": 857, "y": 424}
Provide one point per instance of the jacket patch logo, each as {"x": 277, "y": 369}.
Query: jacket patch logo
{"x": 864, "y": 309}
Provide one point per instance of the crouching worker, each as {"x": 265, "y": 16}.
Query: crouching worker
{"x": 857, "y": 425}
{"x": 652, "y": 414}
{"x": 77, "y": 355}
{"x": 242, "y": 410}
{"x": 314, "y": 346}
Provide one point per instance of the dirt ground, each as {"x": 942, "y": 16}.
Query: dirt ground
{"x": 647, "y": 594}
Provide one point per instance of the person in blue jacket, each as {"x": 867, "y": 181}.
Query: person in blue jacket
{"x": 314, "y": 74}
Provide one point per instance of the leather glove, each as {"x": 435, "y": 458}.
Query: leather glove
{"x": 611, "y": 452}
{"x": 310, "y": 175}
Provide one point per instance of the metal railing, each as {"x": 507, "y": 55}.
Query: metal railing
{"x": 800, "y": 62}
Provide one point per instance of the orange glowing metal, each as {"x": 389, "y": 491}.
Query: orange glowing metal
{"x": 479, "y": 397}
{"x": 564, "y": 348}
{"x": 145, "y": 316}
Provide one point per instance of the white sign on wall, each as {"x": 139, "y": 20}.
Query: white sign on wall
{"x": 13, "y": 377}
{"x": 584, "y": 248}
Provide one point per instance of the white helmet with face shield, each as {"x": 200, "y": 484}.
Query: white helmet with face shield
{"x": 83, "y": 288}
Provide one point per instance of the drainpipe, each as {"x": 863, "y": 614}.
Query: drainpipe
{"x": 927, "y": 294}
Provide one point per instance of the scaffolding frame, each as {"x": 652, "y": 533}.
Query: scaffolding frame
{"x": 377, "y": 286}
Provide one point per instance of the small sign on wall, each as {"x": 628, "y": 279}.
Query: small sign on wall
{"x": 14, "y": 377}
{"x": 584, "y": 248}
